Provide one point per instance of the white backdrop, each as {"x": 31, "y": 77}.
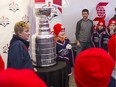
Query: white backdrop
{"x": 12, "y": 11}
{"x": 72, "y": 12}
{"x": 68, "y": 13}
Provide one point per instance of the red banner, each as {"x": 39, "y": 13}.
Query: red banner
{"x": 39, "y": 1}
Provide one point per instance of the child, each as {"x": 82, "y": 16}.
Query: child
{"x": 112, "y": 26}
{"x": 18, "y": 56}
{"x": 112, "y": 52}
{"x": 95, "y": 38}
{"x": 1, "y": 63}
{"x": 93, "y": 68}
{"x": 20, "y": 78}
{"x": 100, "y": 36}
{"x": 63, "y": 46}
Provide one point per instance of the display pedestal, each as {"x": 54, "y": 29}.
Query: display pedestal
{"x": 54, "y": 76}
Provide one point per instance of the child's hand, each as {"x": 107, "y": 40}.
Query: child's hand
{"x": 68, "y": 46}
{"x": 78, "y": 44}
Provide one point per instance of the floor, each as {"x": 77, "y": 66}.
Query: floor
{"x": 72, "y": 82}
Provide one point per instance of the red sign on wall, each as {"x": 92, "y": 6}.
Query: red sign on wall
{"x": 39, "y": 1}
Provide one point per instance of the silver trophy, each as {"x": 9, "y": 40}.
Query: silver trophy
{"x": 44, "y": 49}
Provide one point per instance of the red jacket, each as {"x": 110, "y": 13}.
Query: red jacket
{"x": 1, "y": 63}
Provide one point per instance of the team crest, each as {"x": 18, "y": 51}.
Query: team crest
{"x": 53, "y": 13}
{"x": 25, "y": 18}
{"x": 55, "y": 6}
{"x": 4, "y": 21}
{"x": 13, "y": 7}
{"x": 5, "y": 48}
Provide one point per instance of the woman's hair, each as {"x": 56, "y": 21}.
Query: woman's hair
{"x": 20, "y": 26}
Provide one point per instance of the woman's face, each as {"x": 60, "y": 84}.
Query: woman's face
{"x": 24, "y": 34}
{"x": 62, "y": 33}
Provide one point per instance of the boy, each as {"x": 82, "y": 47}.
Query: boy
{"x": 112, "y": 26}
{"x": 63, "y": 47}
{"x": 18, "y": 56}
{"x": 100, "y": 36}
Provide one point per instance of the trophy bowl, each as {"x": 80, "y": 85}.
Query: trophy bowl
{"x": 43, "y": 11}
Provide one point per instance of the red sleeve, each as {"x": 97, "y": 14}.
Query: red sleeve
{"x": 1, "y": 63}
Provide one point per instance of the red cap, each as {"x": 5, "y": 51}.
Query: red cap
{"x": 93, "y": 68}
{"x": 20, "y": 78}
{"x": 1, "y": 63}
{"x": 112, "y": 21}
{"x": 112, "y": 46}
{"x": 57, "y": 28}
{"x": 101, "y": 23}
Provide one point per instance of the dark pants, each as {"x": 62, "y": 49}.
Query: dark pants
{"x": 112, "y": 82}
{"x": 84, "y": 46}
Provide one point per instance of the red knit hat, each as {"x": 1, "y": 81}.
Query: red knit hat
{"x": 1, "y": 63}
{"x": 101, "y": 23}
{"x": 20, "y": 78}
{"x": 93, "y": 68}
{"x": 57, "y": 28}
{"x": 112, "y": 46}
{"x": 111, "y": 22}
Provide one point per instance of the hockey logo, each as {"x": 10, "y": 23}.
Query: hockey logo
{"x": 13, "y": 6}
{"x": 55, "y": 6}
{"x": 25, "y": 19}
{"x": 53, "y": 10}
{"x": 4, "y": 21}
{"x": 101, "y": 10}
{"x": 5, "y": 48}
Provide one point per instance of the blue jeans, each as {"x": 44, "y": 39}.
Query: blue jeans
{"x": 84, "y": 46}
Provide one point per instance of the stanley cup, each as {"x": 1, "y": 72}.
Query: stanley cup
{"x": 45, "y": 46}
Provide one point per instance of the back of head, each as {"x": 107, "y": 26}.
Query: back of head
{"x": 112, "y": 46}
{"x": 20, "y": 78}
{"x": 19, "y": 26}
{"x": 93, "y": 68}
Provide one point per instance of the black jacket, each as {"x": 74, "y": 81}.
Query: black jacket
{"x": 18, "y": 56}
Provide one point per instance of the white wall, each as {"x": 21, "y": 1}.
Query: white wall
{"x": 72, "y": 13}
{"x": 12, "y": 11}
